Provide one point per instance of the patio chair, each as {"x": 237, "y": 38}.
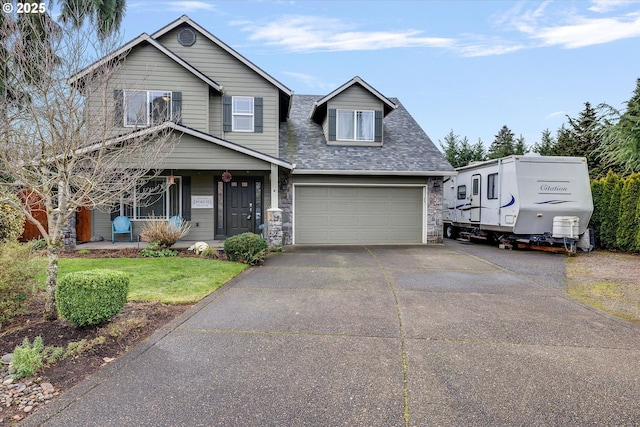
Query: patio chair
{"x": 121, "y": 225}
{"x": 175, "y": 222}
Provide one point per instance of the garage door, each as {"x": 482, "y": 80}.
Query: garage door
{"x": 355, "y": 215}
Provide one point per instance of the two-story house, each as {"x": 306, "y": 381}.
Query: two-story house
{"x": 348, "y": 167}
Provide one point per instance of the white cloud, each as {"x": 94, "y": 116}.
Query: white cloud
{"x": 602, "y": 6}
{"x": 586, "y": 32}
{"x": 556, "y": 114}
{"x": 556, "y": 24}
{"x": 187, "y": 6}
{"x": 312, "y": 82}
{"x": 306, "y": 33}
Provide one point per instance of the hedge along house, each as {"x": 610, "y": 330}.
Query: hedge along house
{"x": 350, "y": 167}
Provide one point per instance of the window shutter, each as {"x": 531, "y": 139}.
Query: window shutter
{"x": 257, "y": 115}
{"x": 118, "y": 107}
{"x": 332, "y": 124}
{"x": 226, "y": 114}
{"x": 378, "y": 127}
{"x": 176, "y": 107}
{"x": 186, "y": 198}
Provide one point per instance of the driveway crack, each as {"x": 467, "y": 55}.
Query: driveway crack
{"x": 405, "y": 381}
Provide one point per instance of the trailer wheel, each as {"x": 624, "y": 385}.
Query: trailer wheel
{"x": 450, "y": 231}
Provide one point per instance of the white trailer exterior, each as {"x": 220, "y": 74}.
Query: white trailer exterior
{"x": 532, "y": 199}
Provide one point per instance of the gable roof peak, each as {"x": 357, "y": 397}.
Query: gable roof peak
{"x": 320, "y": 105}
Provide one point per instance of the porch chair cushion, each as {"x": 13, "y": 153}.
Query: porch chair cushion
{"x": 121, "y": 225}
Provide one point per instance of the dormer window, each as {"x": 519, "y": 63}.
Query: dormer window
{"x": 355, "y": 125}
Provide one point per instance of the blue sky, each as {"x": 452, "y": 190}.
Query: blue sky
{"x": 470, "y": 66}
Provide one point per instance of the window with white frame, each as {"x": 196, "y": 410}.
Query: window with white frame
{"x": 355, "y": 125}
{"x": 243, "y": 112}
{"x": 159, "y": 197}
{"x": 145, "y": 107}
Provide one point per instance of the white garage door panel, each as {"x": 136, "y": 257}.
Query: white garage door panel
{"x": 358, "y": 215}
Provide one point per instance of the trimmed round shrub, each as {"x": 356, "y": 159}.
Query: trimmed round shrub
{"x": 11, "y": 220}
{"x": 248, "y": 248}
{"x": 88, "y": 298}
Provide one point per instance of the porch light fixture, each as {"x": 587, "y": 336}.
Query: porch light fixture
{"x": 172, "y": 179}
{"x": 283, "y": 184}
{"x": 436, "y": 186}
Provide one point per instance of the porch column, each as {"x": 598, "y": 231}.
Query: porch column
{"x": 274, "y": 214}
{"x": 274, "y": 186}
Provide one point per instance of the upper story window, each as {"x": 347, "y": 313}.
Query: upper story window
{"x": 146, "y": 108}
{"x": 242, "y": 114}
{"x": 242, "y": 110}
{"x": 355, "y": 125}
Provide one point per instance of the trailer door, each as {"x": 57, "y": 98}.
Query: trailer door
{"x": 475, "y": 199}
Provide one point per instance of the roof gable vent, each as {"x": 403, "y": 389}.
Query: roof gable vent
{"x": 186, "y": 37}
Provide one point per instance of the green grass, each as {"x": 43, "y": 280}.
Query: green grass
{"x": 168, "y": 280}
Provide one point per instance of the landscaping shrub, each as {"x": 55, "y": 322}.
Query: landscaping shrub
{"x": 87, "y": 298}
{"x": 18, "y": 270}
{"x": 210, "y": 253}
{"x": 628, "y": 217}
{"x": 164, "y": 233}
{"x": 248, "y": 248}
{"x": 157, "y": 250}
{"x": 11, "y": 220}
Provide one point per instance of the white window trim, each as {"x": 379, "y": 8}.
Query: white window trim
{"x": 148, "y": 103}
{"x": 234, "y": 114}
{"x": 355, "y": 125}
{"x": 167, "y": 216}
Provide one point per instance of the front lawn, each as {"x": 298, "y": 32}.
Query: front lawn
{"x": 171, "y": 280}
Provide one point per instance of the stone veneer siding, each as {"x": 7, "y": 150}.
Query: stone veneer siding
{"x": 285, "y": 202}
{"x": 434, "y": 210}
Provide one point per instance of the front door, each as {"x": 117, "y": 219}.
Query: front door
{"x": 239, "y": 206}
{"x": 475, "y": 198}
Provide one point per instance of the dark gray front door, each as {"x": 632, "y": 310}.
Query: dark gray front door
{"x": 239, "y": 206}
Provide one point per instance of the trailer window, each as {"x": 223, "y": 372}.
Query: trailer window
{"x": 491, "y": 186}
{"x": 462, "y": 192}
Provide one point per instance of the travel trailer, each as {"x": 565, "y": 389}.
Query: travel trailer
{"x": 521, "y": 201}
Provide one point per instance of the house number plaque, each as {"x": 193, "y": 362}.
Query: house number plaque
{"x": 201, "y": 202}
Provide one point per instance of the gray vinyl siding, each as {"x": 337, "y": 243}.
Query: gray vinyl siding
{"x": 237, "y": 79}
{"x": 146, "y": 68}
{"x": 194, "y": 153}
{"x": 355, "y": 97}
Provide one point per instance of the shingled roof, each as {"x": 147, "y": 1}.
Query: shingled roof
{"x": 407, "y": 150}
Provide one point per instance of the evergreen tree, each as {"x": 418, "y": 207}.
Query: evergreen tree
{"x": 466, "y": 153}
{"x": 503, "y": 144}
{"x": 628, "y": 218}
{"x": 479, "y": 152}
{"x": 450, "y": 147}
{"x": 620, "y": 148}
{"x": 520, "y": 146}
{"x": 610, "y": 210}
{"x": 545, "y": 146}
{"x": 581, "y": 139}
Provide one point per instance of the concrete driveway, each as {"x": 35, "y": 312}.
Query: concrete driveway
{"x": 375, "y": 336}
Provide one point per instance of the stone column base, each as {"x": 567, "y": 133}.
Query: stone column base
{"x": 274, "y": 228}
